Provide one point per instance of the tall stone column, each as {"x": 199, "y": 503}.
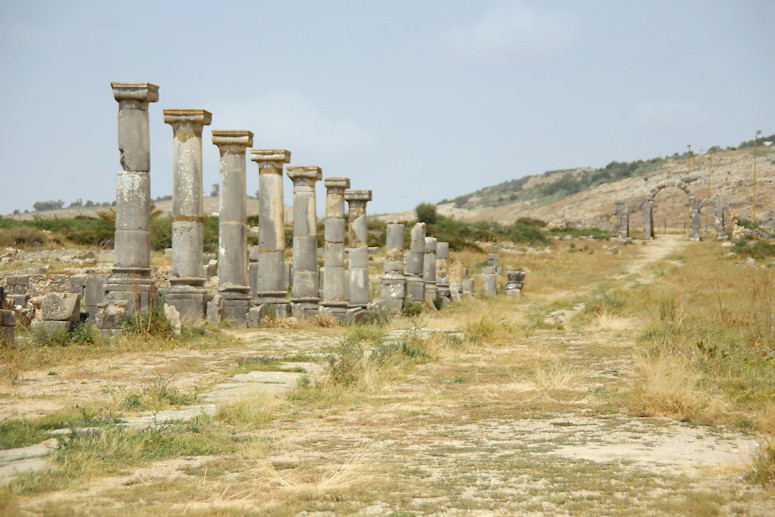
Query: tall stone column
{"x": 694, "y": 219}
{"x": 270, "y": 278}
{"x": 131, "y": 278}
{"x": 442, "y": 272}
{"x": 305, "y": 238}
{"x": 334, "y": 294}
{"x": 429, "y": 268}
{"x": 359, "y": 252}
{"x": 648, "y": 219}
{"x": 232, "y": 224}
{"x": 187, "y": 293}
{"x": 415, "y": 259}
{"x": 623, "y": 215}
{"x": 393, "y": 283}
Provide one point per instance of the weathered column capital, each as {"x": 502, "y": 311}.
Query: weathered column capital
{"x": 305, "y": 175}
{"x": 141, "y": 93}
{"x": 351, "y": 195}
{"x": 270, "y": 161}
{"x": 336, "y": 183}
{"x": 188, "y": 120}
{"x": 232, "y": 141}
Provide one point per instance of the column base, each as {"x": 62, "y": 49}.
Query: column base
{"x": 415, "y": 289}
{"x": 339, "y": 310}
{"x": 133, "y": 285}
{"x": 236, "y": 303}
{"x": 189, "y": 297}
{"x": 306, "y": 306}
{"x": 431, "y": 291}
{"x": 276, "y": 303}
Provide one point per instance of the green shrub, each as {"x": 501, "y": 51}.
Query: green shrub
{"x": 161, "y": 233}
{"x": 526, "y": 233}
{"x": 151, "y": 323}
{"x": 426, "y": 213}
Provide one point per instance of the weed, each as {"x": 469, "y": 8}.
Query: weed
{"x": 763, "y": 464}
{"x": 254, "y": 410}
{"x": 151, "y": 323}
{"x": 411, "y": 308}
{"x": 157, "y": 394}
{"x": 84, "y": 333}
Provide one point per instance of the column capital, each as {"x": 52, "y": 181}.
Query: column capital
{"x": 143, "y": 92}
{"x": 310, "y": 173}
{"x": 357, "y": 195}
{"x": 232, "y": 138}
{"x": 270, "y": 158}
{"x": 197, "y": 117}
{"x": 335, "y": 182}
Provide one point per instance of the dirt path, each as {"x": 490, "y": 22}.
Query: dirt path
{"x": 528, "y": 424}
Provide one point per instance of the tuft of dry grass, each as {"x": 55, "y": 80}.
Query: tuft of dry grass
{"x": 671, "y": 386}
{"x": 250, "y": 411}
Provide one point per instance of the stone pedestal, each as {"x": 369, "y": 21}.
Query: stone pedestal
{"x": 415, "y": 259}
{"x": 490, "y": 283}
{"x": 232, "y": 224}
{"x": 270, "y": 278}
{"x": 467, "y": 286}
{"x": 393, "y": 288}
{"x": 358, "y": 251}
{"x": 187, "y": 293}
{"x": 305, "y": 239}
{"x": 131, "y": 278}
{"x": 442, "y": 273}
{"x": 429, "y": 269}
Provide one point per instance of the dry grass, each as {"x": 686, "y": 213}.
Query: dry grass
{"x": 250, "y": 411}
{"x": 671, "y": 386}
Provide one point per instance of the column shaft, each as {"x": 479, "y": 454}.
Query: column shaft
{"x": 335, "y": 229}
{"x": 415, "y": 285}
{"x": 359, "y": 252}
{"x": 270, "y": 282}
{"x": 187, "y": 293}
{"x": 232, "y": 226}
{"x": 305, "y": 240}
{"x": 429, "y": 268}
{"x": 130, "y": 280}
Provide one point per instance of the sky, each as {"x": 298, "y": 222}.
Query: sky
{"x": 416, "y": 100}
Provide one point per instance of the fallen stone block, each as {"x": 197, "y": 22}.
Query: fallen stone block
{"x": 61, "y": 307}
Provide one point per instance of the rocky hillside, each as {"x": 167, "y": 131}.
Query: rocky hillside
{"x": 587, "y": 195}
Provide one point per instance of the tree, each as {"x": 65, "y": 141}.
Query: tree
{"x": 215, "y": 190}
{"x": 426, "y": 213}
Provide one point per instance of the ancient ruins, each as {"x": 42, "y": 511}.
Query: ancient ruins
{"x": 252, "y": 283}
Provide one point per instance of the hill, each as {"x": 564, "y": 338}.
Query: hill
{"x": 587, "y": 195}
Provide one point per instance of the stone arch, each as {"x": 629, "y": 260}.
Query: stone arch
{"x": 648, "y": 208}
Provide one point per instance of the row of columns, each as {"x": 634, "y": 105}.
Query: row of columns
{"x": 242, "y": 283}
{"x": 260, "y": 280}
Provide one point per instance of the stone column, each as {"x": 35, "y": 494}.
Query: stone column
{"x": 718, "y": 215}
{"x": 394, "y": 281}
{"x": 358, "y": 251}
{"x": 514, "y": 282}
{"x": 131, "y": 278}
{"x": 648, "y": 219}
{"x": 270, "y": 278}
{"x": 187, "y": 293}
{"x": 232, "y": 224}
{"x": 305, "y": 238}
{"x": 622, "y": 214}
{"x": 334, "y": 297}
{"x": 429, "y": 268}
{"x": 415, "y": 285}
{"x": 442, "y": 272}
{"x": 489, "y": 282}
{"x": 694, "y": 220}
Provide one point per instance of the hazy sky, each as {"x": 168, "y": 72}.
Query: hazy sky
{"x": 417, "y": 100}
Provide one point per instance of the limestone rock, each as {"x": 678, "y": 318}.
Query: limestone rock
{"x": 61, "y": 307}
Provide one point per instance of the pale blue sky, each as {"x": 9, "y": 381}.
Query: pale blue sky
{"x": 417, "y": 100}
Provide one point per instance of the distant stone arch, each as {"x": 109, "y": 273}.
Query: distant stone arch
{"x": 718, "y": 210}
{"x": 648, "y": 209}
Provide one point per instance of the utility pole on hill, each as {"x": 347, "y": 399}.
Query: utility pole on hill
{"x": 755, "y": 138}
